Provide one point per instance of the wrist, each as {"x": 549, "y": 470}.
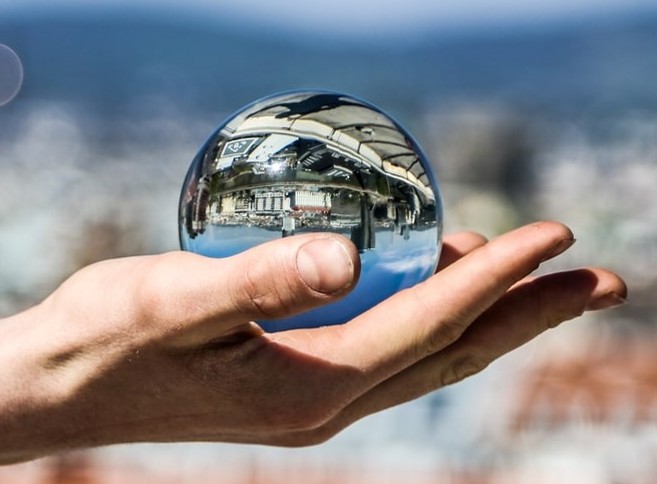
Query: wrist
{"x": 31, "y": 396}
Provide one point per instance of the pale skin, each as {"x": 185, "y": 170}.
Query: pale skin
{"x": 162, "y": 348}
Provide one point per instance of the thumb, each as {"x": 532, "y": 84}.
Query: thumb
{"x": 288, "y": 276}
{"x": 276, "y": 279}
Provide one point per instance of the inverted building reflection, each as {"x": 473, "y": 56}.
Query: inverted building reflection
{"x": 317, "y": 162}
{"x": 343, "y": 168}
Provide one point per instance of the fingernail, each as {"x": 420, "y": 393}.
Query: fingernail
{"x": 325, "y": 266}
{"x": 606, "y": 301}
{"x": 562, "y": 246}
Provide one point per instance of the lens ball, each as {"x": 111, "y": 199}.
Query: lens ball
{"x": 313, "y": 161}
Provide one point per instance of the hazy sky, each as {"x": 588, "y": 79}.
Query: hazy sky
{"x": 378, "y": 17}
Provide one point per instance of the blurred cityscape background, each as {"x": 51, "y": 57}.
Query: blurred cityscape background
{"x": 527, "y": 110}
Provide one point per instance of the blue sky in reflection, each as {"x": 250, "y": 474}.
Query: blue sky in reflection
{"x": 394, "y": 264}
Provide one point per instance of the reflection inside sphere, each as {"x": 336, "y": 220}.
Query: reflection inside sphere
{"x": 317, "y": 162}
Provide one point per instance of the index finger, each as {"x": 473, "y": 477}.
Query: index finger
{"x": 422, "y": 320}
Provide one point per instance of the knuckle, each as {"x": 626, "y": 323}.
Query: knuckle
{"x": 549, "y": 311}
{"x": 543, "y": 319}
{"x": 447, "y": 333}
{"x": 267, "y": 290}
{"x": 461, "y": 368}
{"x": 441, "y": 329}
{"x": 259, "y": 294}
{"x": 557, "y": 315}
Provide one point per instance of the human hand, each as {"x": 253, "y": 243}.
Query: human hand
{"x": 162, "y": 348}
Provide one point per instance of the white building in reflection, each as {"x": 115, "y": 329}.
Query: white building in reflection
{"x": 270, "y": 201}
{"x": 310, "y": 201}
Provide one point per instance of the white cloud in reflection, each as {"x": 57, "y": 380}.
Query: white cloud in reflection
{"x": 412, "y": 260}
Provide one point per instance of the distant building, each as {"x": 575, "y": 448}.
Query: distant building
{"x": 269, "y": 201}
{"x": 232, "y": 203}
{"x": 310, "y": 201}
{"x": 227, "y": 204}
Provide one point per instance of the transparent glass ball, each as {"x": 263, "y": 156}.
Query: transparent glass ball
{"x": 313, "y": 161}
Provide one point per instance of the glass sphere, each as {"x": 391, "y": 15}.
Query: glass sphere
{"x": 313, "y": 161}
